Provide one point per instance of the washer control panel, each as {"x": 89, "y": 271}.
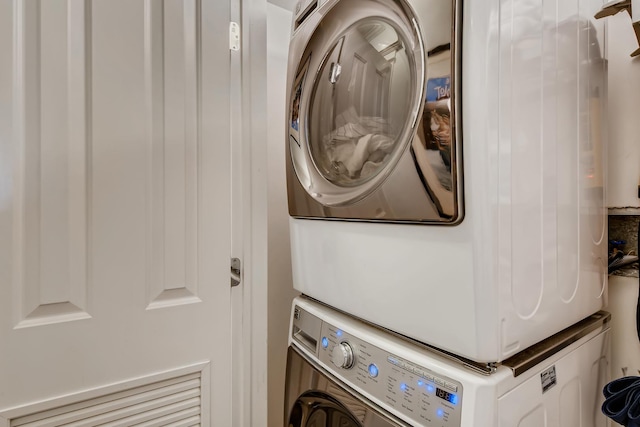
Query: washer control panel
{"x": 420, "y": 394}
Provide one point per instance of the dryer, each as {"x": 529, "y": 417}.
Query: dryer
{"x": 342, "y": 372}
{"x": 445, "y": 167}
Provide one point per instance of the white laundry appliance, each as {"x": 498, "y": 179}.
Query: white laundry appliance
{"x": 343, "y": 372}
{"x": 445, "y": 167}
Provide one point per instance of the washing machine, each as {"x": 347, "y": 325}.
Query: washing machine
{"x": 445, "y": 167}
{"x": 343, "y": 372}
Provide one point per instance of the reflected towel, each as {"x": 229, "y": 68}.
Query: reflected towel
{"x": 622, "y": 401}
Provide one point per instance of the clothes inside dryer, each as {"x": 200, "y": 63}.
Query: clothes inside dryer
{"x": 360, "y": 103}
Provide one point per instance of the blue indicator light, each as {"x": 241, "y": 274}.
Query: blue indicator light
{"x": 403, "y": 387}
{"x": 453, "y": 399}
{"x": 373, "y": 370}
{"x": 338, "y": 333}
{"x": 325, "y": 342}
{"x": 440, "y": 413}
{"x": 430, "y": 388}
{"x": 420, "y": 383}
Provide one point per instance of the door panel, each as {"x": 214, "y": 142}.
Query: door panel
{"x": 49, "y": 163}
{"x": 114, "y": 198}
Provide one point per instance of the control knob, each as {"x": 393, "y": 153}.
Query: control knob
{"x": 342, "y": 355}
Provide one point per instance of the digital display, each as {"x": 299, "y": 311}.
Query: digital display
{"x": 449, "y": 397}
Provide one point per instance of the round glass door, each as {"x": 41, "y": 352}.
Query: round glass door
{"x": 360, "y": 103}
{"x": 354, "y": 116}
{"x": 317, "y": 409}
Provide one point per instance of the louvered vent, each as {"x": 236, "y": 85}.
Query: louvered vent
{"x": 174, "y": 402}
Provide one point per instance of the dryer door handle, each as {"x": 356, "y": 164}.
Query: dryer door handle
{"x": 334, "y": 74}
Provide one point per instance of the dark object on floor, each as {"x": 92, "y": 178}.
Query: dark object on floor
{"x": 622, "y": 401}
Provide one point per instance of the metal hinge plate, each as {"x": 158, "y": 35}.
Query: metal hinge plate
{"x": 234, "y": 36}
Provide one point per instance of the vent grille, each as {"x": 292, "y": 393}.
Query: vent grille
{"x": 172, "y": 403}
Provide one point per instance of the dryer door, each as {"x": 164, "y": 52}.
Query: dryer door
{"x": 370, "y": 138}
{"x": 356, "y": 99}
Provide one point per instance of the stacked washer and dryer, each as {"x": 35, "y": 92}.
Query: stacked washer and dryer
{"x": 448, "y": 230}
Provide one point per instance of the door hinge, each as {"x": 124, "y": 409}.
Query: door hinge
{"x": 236, "y": 272}
{"x": 234, "y": 36}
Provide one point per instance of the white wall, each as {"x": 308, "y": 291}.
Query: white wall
{"x": 623, "y": 107}
{"x": 280, "y": 286}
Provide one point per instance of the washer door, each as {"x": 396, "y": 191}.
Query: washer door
{"x": 312, "y": 399}
{"x": 359, "y": 91}
{"x": 318, "y": 409}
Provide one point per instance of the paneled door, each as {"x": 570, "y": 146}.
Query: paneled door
{"x": 114, "y": 213}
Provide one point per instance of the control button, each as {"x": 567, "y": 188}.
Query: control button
{"x": 325, "y": 342}
{"x": 342, "y": 355}
{"x": 450, "y": 386}
{"x": 428, "y": 376}
{"x": 439, "y": 381}
{"x": 392, "y": 360}
{"x": 373, "y": 370}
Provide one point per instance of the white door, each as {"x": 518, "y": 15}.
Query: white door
{"x": 114, "y": 212}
